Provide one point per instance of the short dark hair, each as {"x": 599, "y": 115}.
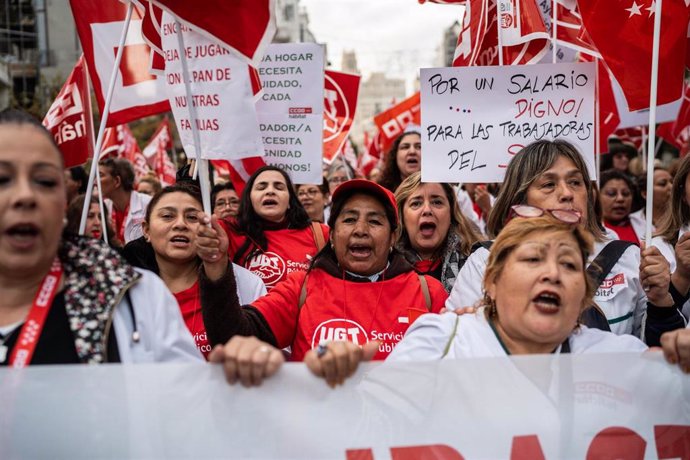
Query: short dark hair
{"x": 217, "y": 189}
{"x": 119, "y": 167}
{"x": 19, "y": 117}
{"x": 323, "y": 187}
{"x": 183, "y": 187}
{"x": 78, "y": 174}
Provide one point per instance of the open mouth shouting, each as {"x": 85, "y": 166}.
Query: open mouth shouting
{"x": 427, "y": 229}
{"x": 180, "y": 241}
{"x": 22, "y": 235}
{"x": 359, "y": 251}
{"x": 547, "y": 302}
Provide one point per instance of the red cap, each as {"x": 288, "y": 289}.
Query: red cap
{"x": 367, "y": 187}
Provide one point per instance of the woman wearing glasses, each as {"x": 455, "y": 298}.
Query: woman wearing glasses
{"x": 314, "y": 198}
{"x": 552, "y": 175}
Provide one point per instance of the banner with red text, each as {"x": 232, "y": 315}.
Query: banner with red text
{"x": 477, "y": 118}
{"x": 290, "y": 110}
{"x": 565, "y": 406}
{"x": 221, "y": 93}
{"x": 69, "y": 118}
{"x": 340, "y": 99}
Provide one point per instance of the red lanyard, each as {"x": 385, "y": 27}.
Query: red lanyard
{"x": 28, "y": 337}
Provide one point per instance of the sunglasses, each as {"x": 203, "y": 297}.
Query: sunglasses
{"x": 564, "y": 215}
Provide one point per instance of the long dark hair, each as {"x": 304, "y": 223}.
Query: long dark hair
{"x": 390, "y": 176}
{"x": 253, "y": 226}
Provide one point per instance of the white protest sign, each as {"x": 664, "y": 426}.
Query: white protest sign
{"x": 221, "y": 93}
{"x": 548, "y": 407}
{"x": 474, "y": 119}
{"x": 290, "y": 110}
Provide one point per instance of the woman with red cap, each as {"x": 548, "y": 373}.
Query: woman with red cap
{"x": 358, "y": 291}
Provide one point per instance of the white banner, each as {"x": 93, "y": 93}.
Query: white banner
{"x": 540, "y": 407}
{"x": 221, "y": 93}
{"x": 475, "y": 118}
{"x": 290, "y": 110}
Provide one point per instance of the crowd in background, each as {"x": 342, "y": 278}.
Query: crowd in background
{"x": 347, "y": 269}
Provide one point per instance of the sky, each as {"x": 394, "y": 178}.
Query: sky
{"x": 395, "y": 36}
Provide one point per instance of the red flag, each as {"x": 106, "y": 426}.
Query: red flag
{"x": 570, "y": 32}
{"x": 445, "y": 2}
{"x": 156, "y": 153}
{"x": 677, "y": 132}
{"x": 137, "y": 93}
{"x": 524, "y": 36}
{"x": 69, "y": 118}
{"x": 608, "y": 111}
{"x": 151, "y": 31}
{"x": 238, "y": 170}
{"x": 631, "y": 136}
{"x": 622, "y": 31}
{"x": 392, "y": 122}
{"x": 119, "y": 142}
{"x": 340, "y": 102}
{"x": 246, "y": 27}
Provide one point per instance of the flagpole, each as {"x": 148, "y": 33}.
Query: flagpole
{"x": 554, "y": 36}
{"x": 500, "y": 35}
{"x": 652, "y": 122}
{"x": 644, "y": 147}
{"x": 597, "y": 131}
{"x": 101, "y": 207}
{"x": 201, "y": 165}
{"x": 104, "y": 118}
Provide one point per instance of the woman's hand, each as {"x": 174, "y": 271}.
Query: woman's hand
{"x": 212, "y": 246}
{"x": 248, "y": 359}
{"x": 655, "y": 276}
{"x": 676, "y": 347}
{"x": 336, "y": 361}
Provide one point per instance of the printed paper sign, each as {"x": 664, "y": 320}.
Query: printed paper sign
{"x": 474, "y": 119}
{"x": 221, "y": 93}
{"x": 290, "y": 110}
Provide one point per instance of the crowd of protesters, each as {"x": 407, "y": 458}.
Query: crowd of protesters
{"x": 341, "y": 271}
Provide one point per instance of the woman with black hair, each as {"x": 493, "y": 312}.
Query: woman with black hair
{"x": 617, "y": 196}
{"x": 272, "y": 235}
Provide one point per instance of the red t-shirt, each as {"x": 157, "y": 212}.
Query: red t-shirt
{"x": 625, "y": 232}
{"x": 338, "y": 309}
{"x": 190, "y": 305}
{"x": 287, "y": 251}
{"x": 119, "y": 222}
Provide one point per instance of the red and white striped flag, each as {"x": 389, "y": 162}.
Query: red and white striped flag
{"x": 524, "y": 36}
{"x": 69, "y": 118}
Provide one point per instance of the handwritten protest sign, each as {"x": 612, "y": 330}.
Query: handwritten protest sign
{"x": 290, "y": 110}
{"x": 221, "y": 93}
{"x": 474, "y": 119}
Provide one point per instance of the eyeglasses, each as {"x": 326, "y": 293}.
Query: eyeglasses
{"x": 337, "y": 180}
{"x": 307, "y": 193}
{"x": 223, "y": 203}
{"x": 564, "y": 215}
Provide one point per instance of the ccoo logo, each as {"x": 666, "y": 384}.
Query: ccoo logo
{"x": 339, "y": 329}
{"x": 268, "y": 266}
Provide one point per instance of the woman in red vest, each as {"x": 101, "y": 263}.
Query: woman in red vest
{"x": 272, "y": 236}
{"x": 358, "y": 289}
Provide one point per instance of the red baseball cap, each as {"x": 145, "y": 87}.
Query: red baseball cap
{"x": 349, "y": 188}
